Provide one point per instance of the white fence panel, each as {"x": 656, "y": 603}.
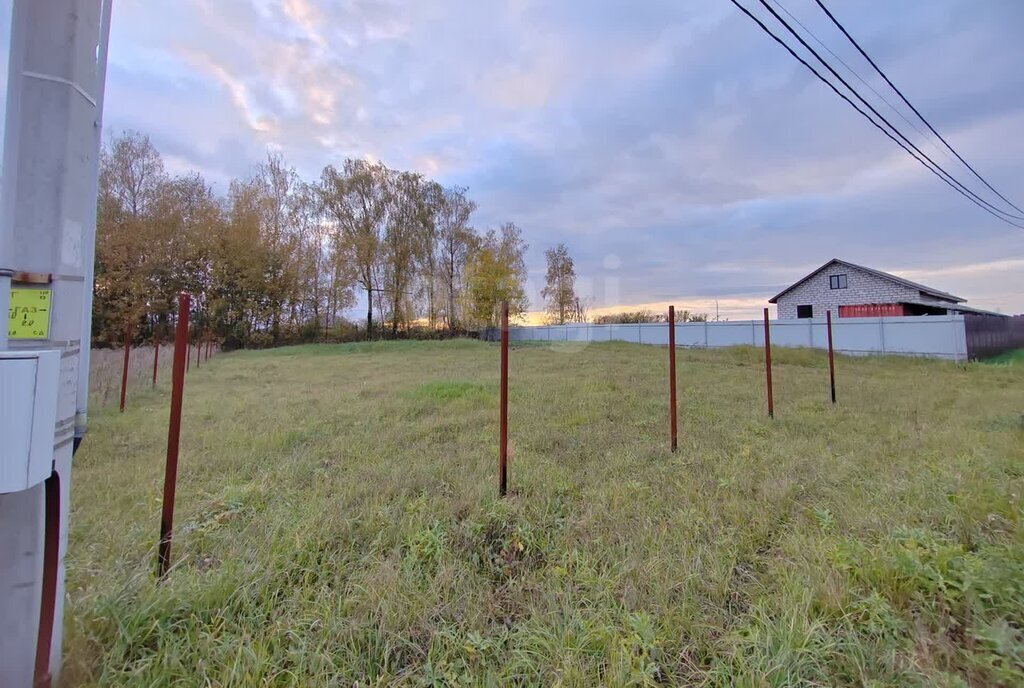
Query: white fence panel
{"x": 730, "y": 334}
{"x": 692, "y": 334}
{"x": 939, "y": 336}
{"x": 624, "y": 333}
{"x": 858, "y": 335}
{"x": 655, "y": 333}
{"x": 577, "y": 333}
{"x": 792, "y": 332}
{"x": 819, "y": 333}
{"x": 930, "y": 338}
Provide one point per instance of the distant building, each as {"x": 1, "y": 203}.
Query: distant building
{"x": 852, "y": 291}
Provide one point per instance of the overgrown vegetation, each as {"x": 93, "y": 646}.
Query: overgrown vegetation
{"x": 338, "y": 524}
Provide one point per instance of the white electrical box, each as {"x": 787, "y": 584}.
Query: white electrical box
{"x": 28, "y": 417}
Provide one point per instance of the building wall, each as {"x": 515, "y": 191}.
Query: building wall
{"x": 862, "y": 287}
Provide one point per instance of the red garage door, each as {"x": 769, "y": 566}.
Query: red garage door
{"x": 871, "y": 310}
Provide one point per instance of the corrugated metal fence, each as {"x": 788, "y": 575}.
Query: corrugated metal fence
{"x": 937, "y": 336}
{"x": 989, "y": 335}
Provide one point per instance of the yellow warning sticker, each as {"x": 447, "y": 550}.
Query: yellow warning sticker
{"x": 29, "y": 314}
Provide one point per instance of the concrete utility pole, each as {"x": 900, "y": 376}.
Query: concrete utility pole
{"x": 55, "y": 73}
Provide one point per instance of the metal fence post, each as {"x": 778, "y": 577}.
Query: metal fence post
{"x": 51, "y": 566}
{"x": 503, "y": 423}
{"x": 768, "y": 363}
{"x": 831, "y": 356}
{"x": 672, "y": 373}
{"x": 124, "y": 368}
{"x": 181, "y": 358}
{"x": 156, "y": 355}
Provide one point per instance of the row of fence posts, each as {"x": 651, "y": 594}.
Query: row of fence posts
{"x": 182, "y": 360}
{"x": 768, "y": 360}
{"x": 203, "y": 346}
{"x": 673, "y": 414}
{"x": 181, "y": 363}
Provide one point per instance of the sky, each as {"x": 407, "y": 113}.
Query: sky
{"x": 680, "y": 154}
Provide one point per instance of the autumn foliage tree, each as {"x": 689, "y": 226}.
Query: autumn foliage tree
{"x": 131, "y": 178}
{"x": 456, "y": 242}
{"x": 562, "y": 303}
{"x": 278, "y": 259}
{"x": 355, "y": 200}
{"x": 496, "y": 273}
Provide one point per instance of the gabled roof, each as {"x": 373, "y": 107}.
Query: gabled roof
{"x": 945, "y": 296}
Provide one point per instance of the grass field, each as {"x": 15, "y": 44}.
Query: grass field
{"x": 1015, "y": 357}
{"x": 337, "y": 523}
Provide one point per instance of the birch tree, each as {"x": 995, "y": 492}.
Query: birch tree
{"x": 456, "y": 240}
{"x": 560, "y": 288}
{"x": 355, "y": 198}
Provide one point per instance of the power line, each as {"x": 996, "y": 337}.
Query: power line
{"x": 861, "y": 79}
{"x": 904, "y": 98}
{"x": 879, "y": 115}
{"x": 858, "y": 109}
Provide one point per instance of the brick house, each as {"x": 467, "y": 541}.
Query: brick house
{"x": 850, "y": 290}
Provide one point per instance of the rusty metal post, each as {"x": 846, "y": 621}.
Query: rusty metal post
{"x": 672, "y": 373}
{"x": 768, "y": 362}
{"x": 503, "y": 424}
{"x": 156, "y": 355}
{"x": 831, "y": 355}
{"x": 188, "y": 354}
{"x": 124, "y": 367}
{"x": 181, "y": 357}
{"x": 51, "y": 566}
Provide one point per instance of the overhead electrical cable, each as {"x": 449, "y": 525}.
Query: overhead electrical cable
{"x": 861, "y": 79}
{"x": 879, "y": 115}
{"x": 863, "y": 113}
{"x": 911, "y": 106}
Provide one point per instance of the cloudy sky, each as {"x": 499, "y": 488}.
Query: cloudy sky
{"x": 680, "y": 154}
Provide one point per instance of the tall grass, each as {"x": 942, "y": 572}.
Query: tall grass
{"x": 107, "y": 365}
{"x": 338, "y": 524}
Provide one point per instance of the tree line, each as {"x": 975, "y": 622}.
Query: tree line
{"x": 647, "y": 316}
{"x": 278, "y": 259}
